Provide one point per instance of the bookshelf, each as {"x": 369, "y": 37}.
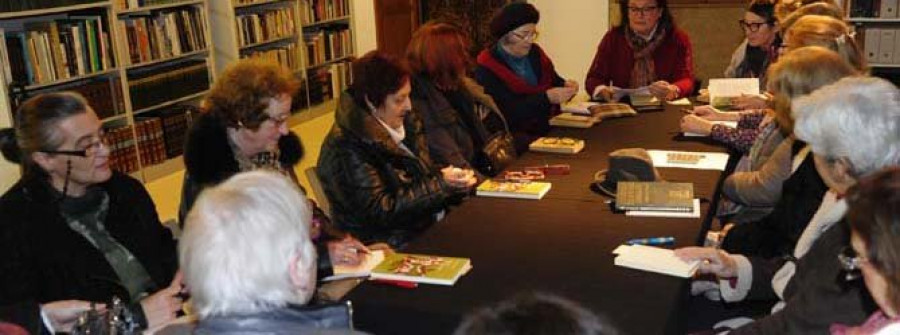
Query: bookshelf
{"x": 135, "y": 61}
{"x": 328, "y": 38}
{"x": 877, "y": 27}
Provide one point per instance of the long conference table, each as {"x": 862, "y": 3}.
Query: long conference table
{"x": 561, "y": 244}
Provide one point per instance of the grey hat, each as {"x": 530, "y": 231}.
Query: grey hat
{"x": 631, "y": 164}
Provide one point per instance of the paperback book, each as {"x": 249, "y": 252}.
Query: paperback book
{"x": 426, "y": 269}
{"x": 559, "y": 145}
{"x": 534, "y": 190}
{"x": 655, "y": 196}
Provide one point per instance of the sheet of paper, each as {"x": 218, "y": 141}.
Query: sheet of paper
{"x": 693, "y": 214}
{"x": 732, "y": 124}
{"x": 705, "y": 160}
{"x": 619, "y": 93}
{"x": 654, "y": 259}
{"x": 680, "y": 102}
{"x": 722, "y": 90}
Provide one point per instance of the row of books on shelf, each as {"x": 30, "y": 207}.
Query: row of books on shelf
{"x": 881, "y": 45}
{"x": 123, "y": 152}
{"x": 167, "y": 83}
{"x": 312, "y": 11}
{"x": 103, "y": 94}
{"x": 265, "y": 26}
{"x": 326, "y": 83}
{"x": 327, "y": 45}
{"x": 155, "y": 139}
{"x": 286, "y": 55}
{"x": 164, "y": 34}
{"x": 49, "y": 51}
{"x": 885, "y": 9}
{"x": 150, "y": 140}
{"x": 132, "y": 4}
{"x": 7, "y": 6}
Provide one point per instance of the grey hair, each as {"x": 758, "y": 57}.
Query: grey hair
{"x": 239, "y": 241}
{"x": 857, "y": 118}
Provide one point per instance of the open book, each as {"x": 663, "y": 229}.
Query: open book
{"x": 721, "y": 91}
{"x": 363, "y": 269}
{"x": 426, "y": 269}
{"x": 653, "y": 259}
{"x": 591, "y": 113}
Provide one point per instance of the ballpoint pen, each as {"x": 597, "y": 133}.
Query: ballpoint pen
{"x": 652, "y": 240}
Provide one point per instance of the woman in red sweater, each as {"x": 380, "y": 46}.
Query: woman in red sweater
{"x": 646, "y": 49}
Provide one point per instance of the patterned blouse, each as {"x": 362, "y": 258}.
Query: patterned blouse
{"x": 742, "y": 137}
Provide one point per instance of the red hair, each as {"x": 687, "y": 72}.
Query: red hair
{"x": 439, "y": 50}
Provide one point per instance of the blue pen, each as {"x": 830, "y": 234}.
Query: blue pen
{"x": 652, "y": 240}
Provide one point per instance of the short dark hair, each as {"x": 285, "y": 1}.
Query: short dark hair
{"x": 665, "y": 20}
{"x": 874, "y": 215}
{"x": 375, "y": 76}
{"x": 534, "y": 313}
{"x": 764, "y": 9}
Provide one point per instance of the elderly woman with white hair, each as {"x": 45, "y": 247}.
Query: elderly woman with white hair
{"x": 249, "y": 266}
{"x": 853, "y": 128}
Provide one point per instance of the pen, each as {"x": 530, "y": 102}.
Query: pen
{"x": 397, "y": 283}
{"x": 652, "y": 240}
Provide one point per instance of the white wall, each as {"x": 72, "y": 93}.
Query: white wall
{"x": 364, "y": 26}
{"x": 570, "y": 32}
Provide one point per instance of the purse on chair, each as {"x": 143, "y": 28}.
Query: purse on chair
{"x": 499, "y": 146}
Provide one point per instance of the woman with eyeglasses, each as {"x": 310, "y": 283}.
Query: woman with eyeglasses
{"x": 853, "y": 129}
{"x": 244, "y": 128}
{"x": 874, "y": 250}
{"x": 520, "y": 77}
{"x": 74, "y": 231}
{"x": 759, "y": 49}
{"x": 645, "y": 50}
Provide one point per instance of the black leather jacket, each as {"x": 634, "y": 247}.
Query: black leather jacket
{"x": 378, "y": 191}
{"x": 292, "y": 319}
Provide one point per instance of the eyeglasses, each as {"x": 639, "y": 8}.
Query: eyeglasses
{"x": 526, "y": 36}
{"x": 751, "y": 26}
{"x": 278, "y": 121}
{"x": 851, "y": 263}
{"x": 641, "y": 11}
{"x": 89, "y": 150}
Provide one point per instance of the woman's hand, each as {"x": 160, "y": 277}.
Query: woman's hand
{"x": 606, "y": 93}
{"x": 713, "y": 261}
{"x": 162, "y": 307}
{"x": 347, "y": 252}
{"x": 696, "y": 125}
{"x": 459, "y": 178}
{"x": 571, "y": 84}
{"x": 749, "y": 101}
{"x": 662, "y": 90}
{"x": 64, "y": 314}
{"x": 559, "y": 95}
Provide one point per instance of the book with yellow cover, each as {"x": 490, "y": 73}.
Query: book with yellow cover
{"x": 559, "y": 145}
{"x": 425, "y": 269}
{"x": 513, "y": 189}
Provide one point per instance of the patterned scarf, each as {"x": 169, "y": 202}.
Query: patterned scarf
{"x": 644, "y": 71}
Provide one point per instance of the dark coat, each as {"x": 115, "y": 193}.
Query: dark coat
{"x": 528, "y": 114}
{"x": 816, "y": 296}
{"x": 378, "y": 191}
{"x": 209, "y": 160}
{"x": 455, "y": 137}
{"x": 324, "y": 320}
{"x": 44, "y": 260}
{"x": 777, "y": 234}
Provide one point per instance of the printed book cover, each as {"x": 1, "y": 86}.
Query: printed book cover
{"x": 559, "y": 145}
{"x": 534, "y": 190}
{"x": 655, "y": 196}
{"x": 425, "y": 269}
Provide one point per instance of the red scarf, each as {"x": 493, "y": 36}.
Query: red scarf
{"x": 516, "y": 83}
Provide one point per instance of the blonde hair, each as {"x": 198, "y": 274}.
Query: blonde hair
{"x": 801, "y": 72}
{"x": 826, "y": 31}
{"x": 818, "y": 8}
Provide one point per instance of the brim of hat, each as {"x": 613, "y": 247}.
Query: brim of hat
{"x": 603, "y": 185}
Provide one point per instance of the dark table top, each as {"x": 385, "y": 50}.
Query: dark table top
{"x": 561, "y": 244}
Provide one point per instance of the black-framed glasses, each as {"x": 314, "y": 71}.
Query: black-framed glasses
{"x": 90, "y": 150}
{"x": 526, "y": 36}
{"x": 641, "y": 11}
{"x": 751, "y": 26}
{"x": 851, "y": 263}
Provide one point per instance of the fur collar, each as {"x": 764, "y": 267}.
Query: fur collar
{"x": 209, "y": 159}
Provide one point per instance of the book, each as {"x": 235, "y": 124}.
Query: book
{"x": 693, "y": 214}
{"x": 722, "y": 90}
{"x": 363, "y": 269}
{"x": 580, "y": 107}
{"x": 426, "y": 269}
{"x": 513, "y": 189}
{"x": 573, "y": 120}
{"x": 560, "y": 145}
{"x": 654, "y": 259}
{"x": 654, "y": 196}
{"x": 689, "y": 160}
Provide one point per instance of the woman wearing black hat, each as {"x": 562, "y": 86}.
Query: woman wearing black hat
{"x": 519, "y": 76}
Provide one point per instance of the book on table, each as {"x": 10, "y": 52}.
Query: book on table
{"x": 426, "y": 269}
{"x": 723, "y": 90}
{"x": 534, "y": 190}
{"x": 655, "y": 196}
{"x": 654, "y": 259}
{"x": 363, "y": 269}
{"x": 559, "y": 145}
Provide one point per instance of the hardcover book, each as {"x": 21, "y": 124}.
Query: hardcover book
{"x": 513, "y": 189}
{"x": 425, "y": 269}
{"x": 655, "y": 196}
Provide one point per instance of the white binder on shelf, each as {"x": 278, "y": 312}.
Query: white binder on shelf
{"x": 896, "y": 47}
{"x": 888, "y": 9}
{"x": 886, "y": 46}
{"x": 872, "y": 37}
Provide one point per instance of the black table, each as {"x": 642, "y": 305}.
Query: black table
{"x": 561, "y": 244}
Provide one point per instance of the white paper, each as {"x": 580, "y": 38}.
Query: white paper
{"x": 709, "y": 161}
{"x": 727, "y": 88}
{"x": 619, "y": 92}
{"x": 693, "y": 214}
{"x": 680, "y": 102}
{"x": 732, "y": 124}
{"x": 654, "y": 259}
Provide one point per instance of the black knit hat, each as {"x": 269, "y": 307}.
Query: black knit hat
{"x": 512, "y": 16}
